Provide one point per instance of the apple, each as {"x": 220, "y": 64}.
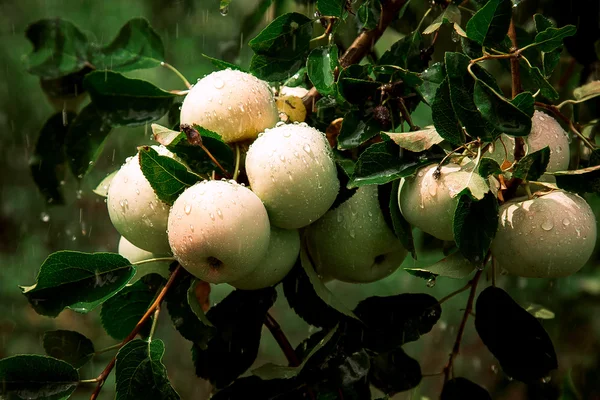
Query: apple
{"x": 291, "y": 169}
{"x": 135, "y": 254}
{"x": 234, "y": 104}
{"x": 135, "y": 210}
{"x": 428, "y": 202}
{"x": 545, "y": 131}
{"x": 549, "y": 236}
{"x": 219, "y": 231}
{"x": 284, "y": 247}
{"x": 353, "y": 243}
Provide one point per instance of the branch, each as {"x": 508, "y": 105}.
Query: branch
{"x": 102, "y": 377}
{"x": 282, "y": 340}
{"x": 362, "y": 45}
{"x": 556, "y": 111}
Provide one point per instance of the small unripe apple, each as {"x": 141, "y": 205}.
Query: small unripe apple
{"x": 135, "y": 210}
{"x": 550, "y": 236}
{"x": 219, "y": 231}
{"x": 234, "y": 104}
{"x": 135, "y": 254}
{"x": 291, "y": 169}
{"x": 428, "y": 203}
{"x": 353, "y": 243}
{"x": 284, "y": 247}
{"x": 545, "y": 131}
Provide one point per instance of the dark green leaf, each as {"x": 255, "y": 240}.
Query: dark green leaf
{"x": 444, "y": 118}
{"x": 36, "y": 377}
{"x": 344, "y": 177}
{"x": 85, "y": 140}
{"x": 454, "y": 266}
{"x": 121, "y": 313}
{"x": 489, "y": 25}
{"x": 394, "y": 320}
{"x": 239, "y": 319}
{"x": 136, "y": 46}
{"x": 394, "y": 372}
{"x": 533, "y": 165}
{"x": 500, "y": 112}
{"x": 220, "y": 64}
{"x": 349, "y": 378}
{"x": 80, "y": 281}
{"x": 67, "y": 91}
{"x": 355, "y": 84}
{"x": 549, "y": 59}
{"x": 184, "y": 318}
{"x": 524, "y": 101}
{"x": 586, "y": 180}
{"x": 357, "y": 127}
{"x": 401, "y": 227}
{"x": 321, "y": 65}
{"x": 533, "y": 80}
{"x": 515, "y": 337}
{"x": 488, "y": 167}
{"x": 471, "y": 48}
{"x": 406, "y": 53}
{"x": 333, "y": 8}
{"x": 69, "y": 346}
{"x": 432, "y": 79}
{"x": 369, "y": 14}
{"x": 381, "y": 163}
{"x": 475, "y": 224}
{"x": 59, "y": 48}
{"x": 275, "y": 69}
{"x": 167, "y": 176}
{"x": 462, "y": 388}
{"x": 270, "y": 389}
{"x": 124, "y": 101}
{"x": 552, "y": 38}
{"x": 140, "y": 373}
{"x": 47, "y": 163}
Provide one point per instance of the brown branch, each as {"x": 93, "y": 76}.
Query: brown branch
{"x": 282, "y": 340}
{"x": 463, "y": 324}
{"x": 362, "y": 45}
{"x": 102, "y": 377}
{"x": 514, "y": 61}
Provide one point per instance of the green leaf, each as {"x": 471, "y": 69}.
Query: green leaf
{"x": 381, "y": 163}
{"x": 355, "y": 84}
{"x": 102, "y": 188}
{"x": 67, "y": 91}
{"x": 333, "y": 8}
{"x": 475, "y": 224}
{"x": 462, "y": 388}
{"x": 124, "y": 101}
{"x": 471, "y": 48}
{"x": 69, "y": 346}
{"x": 140, "y": 372}
{"x": 534, "y": 81}
{"x": 451, "y": 15}
{"x": 454, "y": 266}
{"x": 357, "y": 128}
{"x": 59, "y": 48}
{"x": 552, "y": 38}
{"x": 444, "y": 118}
{"x": 489, "y": 25}
{"x": 406, "y": 53}
{"x": 417, "y": 141}
{"x": 524, "y": 101}
{"x": 432, "y": 78}
{"x": 275, "y": 69}
{"x": 137, "y": 46}
{"x": 121, "y": 313}
{"x": 589, "y": 89}
{"x": 80, "y": 281}
{"x": 488, "y": 167}
{"x": 239, "y": 320}
{"x": 32, "y": 377}
{"x": 85, "y": 140}
{"x": 47, "y": 164}
{"x": 220, "y": 64}
{"x": 549, "y": 59}
{"x": 402, "y": 228}
{"x": 533, "y": 165}
{"x": 369, "y": 14}
{"x": 167, "y": 176}
{"x": 321, "y": 65}
{"x": 539, "y": 311}
{"x": 515, "y": 337}
{"x": 585, "y": 180}
{"x": 394, "y": 372}
{"x": 500, "y": 112}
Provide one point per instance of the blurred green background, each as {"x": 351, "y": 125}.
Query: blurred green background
{"x": 30, "y": 228}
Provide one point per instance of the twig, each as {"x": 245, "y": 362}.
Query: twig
{"x": 406, "y": 115}
{"x": 514, "y": 61}
{"x": 361, "y": 46}
{"x": 107, "y": 349}
{"x": 554, "y": 110}
{"x": 195, "y": 139}
{"x": 179, "y": 74}
{"x": 282, "y": 340}
{"x": 151, "y": 310}
{"x": 463, "y": 324}
{"x": 328, "y": 29}
{"x": 459, "y": 291}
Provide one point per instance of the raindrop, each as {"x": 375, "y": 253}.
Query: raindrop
{"x": 187, "y": 209}
{"x": 430, "y": 282}
{"x": 281, "y": 123}
{"x": 558, "y": 149}
{"x": 352, "y": 234}
{"x": 219, "y": 213}
{"x": 137, "y": 191}
{"x": 566, "y": 222}
{"x": 224, "y": 10}
{"x": 306, "y": 148}
{"x": 212, "y": 216}
{"x": 548, "y": 225}
{"x": 219, "y": 83}
{"x": 45, "y": 217}
{"x": 546, "y": 379}
{"x": 191, "y": 227}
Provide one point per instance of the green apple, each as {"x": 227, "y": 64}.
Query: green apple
{"x": 135, "y": 254}
{"x": 284, "y": 247}
{"x": 549, "y": 236}
{"x": 234, "y": 104}
{"x": 135, "y": 210}
{"x": 219, "y": 231}
{"x": 353, "y": 243}
{"x": 291, "y": 169}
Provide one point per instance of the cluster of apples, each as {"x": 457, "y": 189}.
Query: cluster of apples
{"x": 250, "y": 237}
{"x": 552, "y": 234}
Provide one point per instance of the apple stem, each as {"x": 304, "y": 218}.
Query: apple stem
{"x": 176, "y": 71}
{"x": 237, "y": 162}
